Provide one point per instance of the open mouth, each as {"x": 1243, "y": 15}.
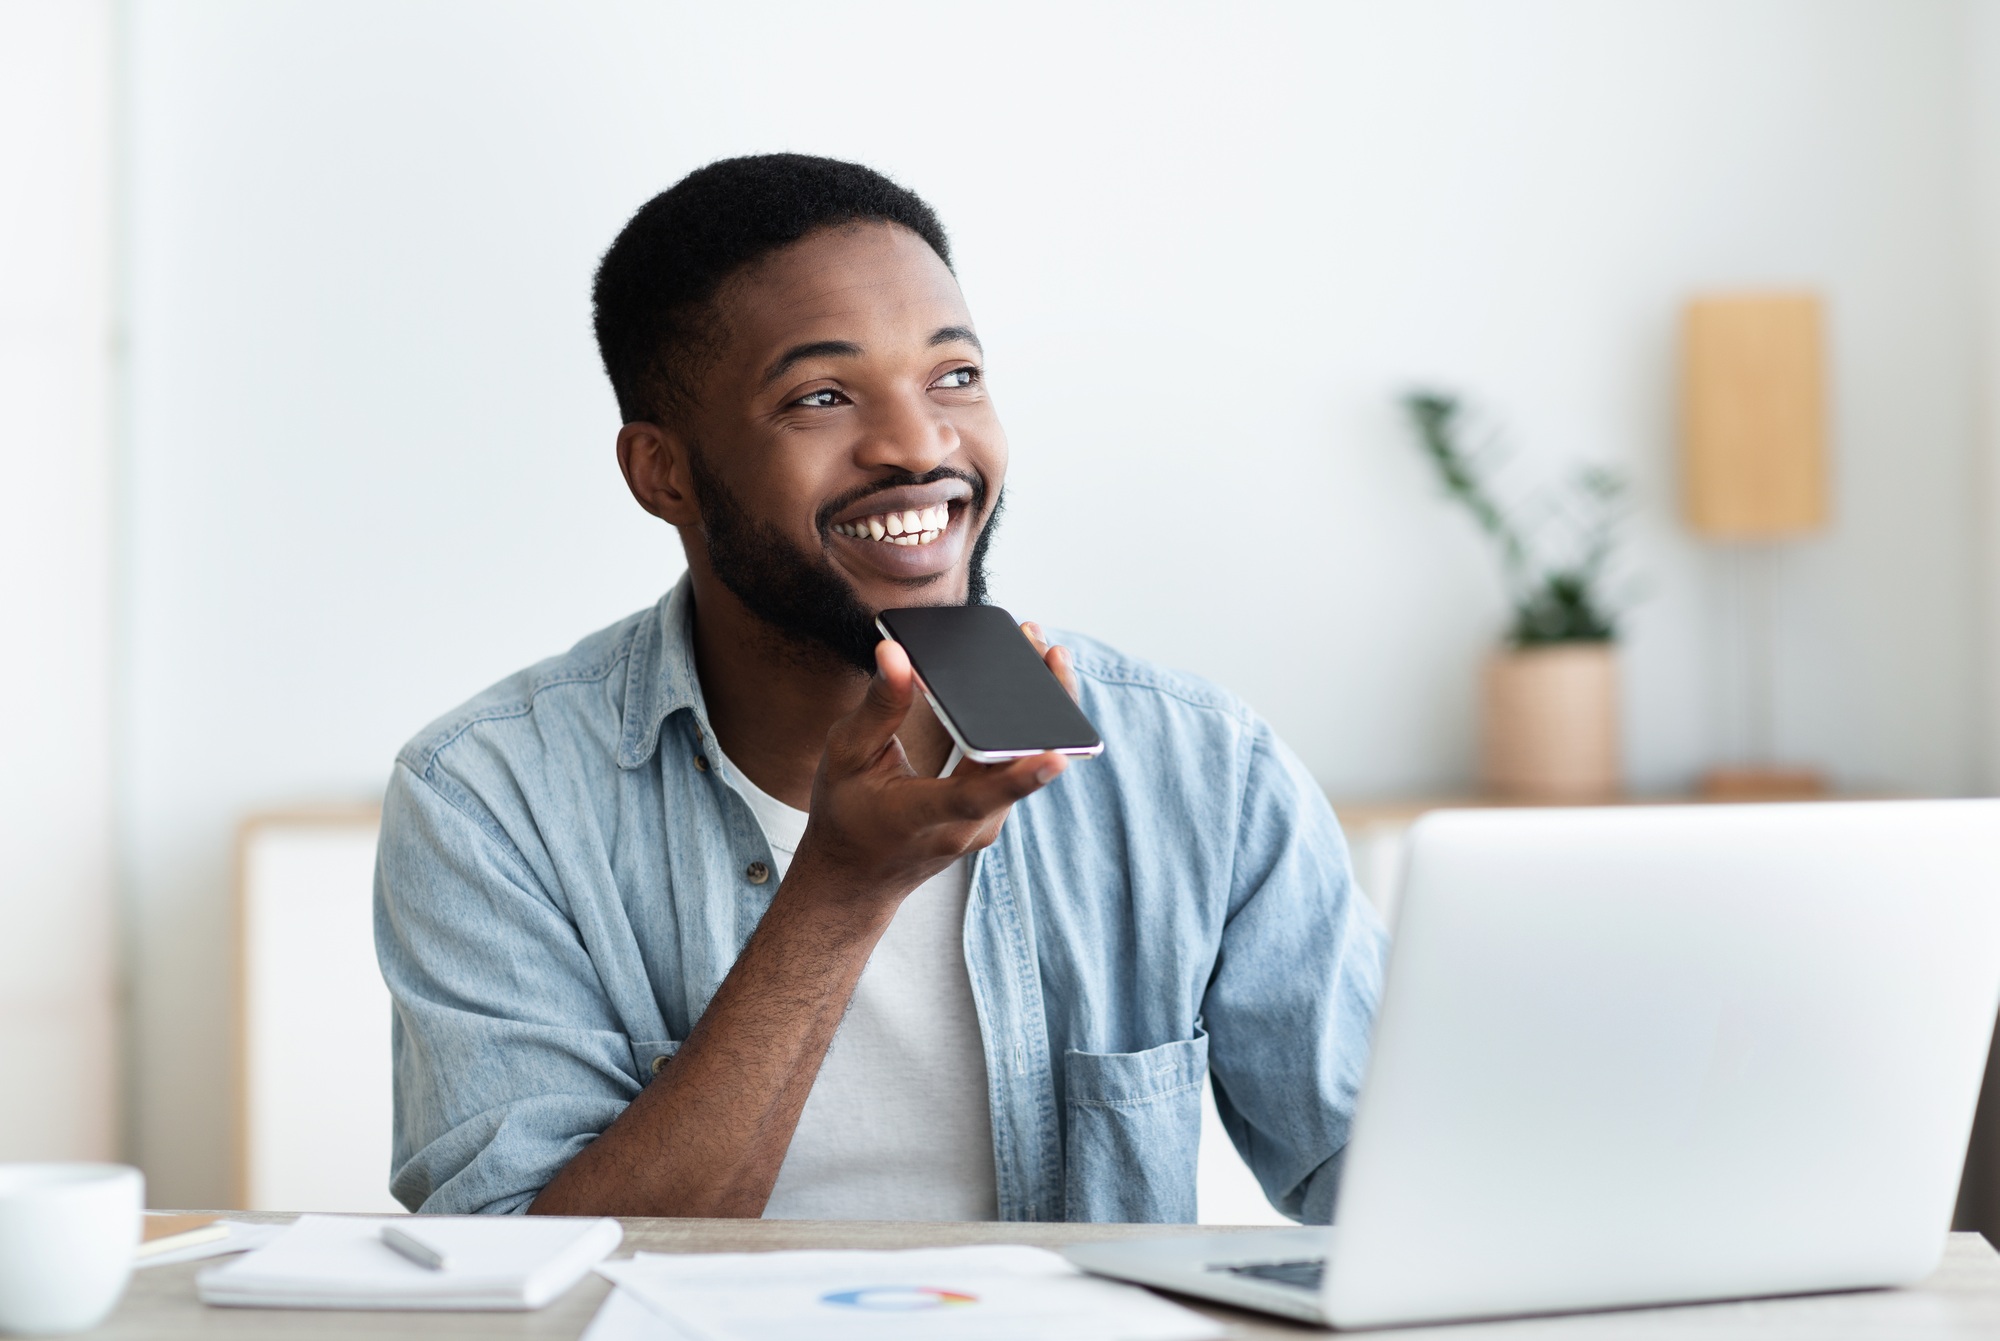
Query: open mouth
{"x": 913, "y": 526}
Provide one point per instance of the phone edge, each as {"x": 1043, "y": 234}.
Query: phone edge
{"x": 987, "y": 756}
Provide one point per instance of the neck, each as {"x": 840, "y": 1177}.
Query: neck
{"x": 771, "y": 701}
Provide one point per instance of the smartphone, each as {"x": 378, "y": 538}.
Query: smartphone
{"x": 994, "y": 694}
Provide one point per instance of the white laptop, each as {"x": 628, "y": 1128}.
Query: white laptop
{"x": 1644, "y": 1056}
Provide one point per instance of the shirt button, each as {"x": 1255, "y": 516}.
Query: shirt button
{"x": 701, "y": 763}
{"x": 758, "y": 872}
{"x": 660, "y": 1063}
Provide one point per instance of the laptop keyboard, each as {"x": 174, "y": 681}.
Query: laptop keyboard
{"x": 1304, "y": 1273}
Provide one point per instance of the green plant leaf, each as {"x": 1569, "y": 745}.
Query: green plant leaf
{"x": 1555, "y": 599}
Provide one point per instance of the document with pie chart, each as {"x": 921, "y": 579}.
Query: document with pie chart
{"x": 937, "y": 1294}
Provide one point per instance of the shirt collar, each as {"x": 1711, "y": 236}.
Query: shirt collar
{"x": 660, "y": 678}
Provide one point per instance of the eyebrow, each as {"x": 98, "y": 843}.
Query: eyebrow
{"x": 847, "y": 349}
{"x": 818, "y": 349}
{"x": 945, "y": 335}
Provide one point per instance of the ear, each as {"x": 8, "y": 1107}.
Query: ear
{"x": 655, "y": 464}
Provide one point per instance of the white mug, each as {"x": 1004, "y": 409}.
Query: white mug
{"x": 68, "y": 1233}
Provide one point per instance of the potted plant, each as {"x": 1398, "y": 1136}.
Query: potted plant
{"x": 1549, "y": 719}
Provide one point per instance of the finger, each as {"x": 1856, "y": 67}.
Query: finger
{"x": 1057, "y": 658}
{"x": 1064, "y": 665}
{"x": 858, "y": 738}
{"x": 981, "y": 793}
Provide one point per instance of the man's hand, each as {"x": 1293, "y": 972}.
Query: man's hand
{"x": 878, "y": 828}
{"x": 710, "y": 1134}
{"x": 1058, "y": 658}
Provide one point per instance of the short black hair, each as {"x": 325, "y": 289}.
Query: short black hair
{"x": 655, "y": 289}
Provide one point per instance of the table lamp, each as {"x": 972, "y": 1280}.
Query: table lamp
{"x": 1754, "y": 475}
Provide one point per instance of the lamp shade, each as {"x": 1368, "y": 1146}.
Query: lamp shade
{"x": 1753, "y": 416}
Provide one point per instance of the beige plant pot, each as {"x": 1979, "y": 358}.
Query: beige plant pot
{"x": 1549, "y": 729}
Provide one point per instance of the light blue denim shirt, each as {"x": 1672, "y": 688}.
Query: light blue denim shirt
{"x": 564, "y": 879}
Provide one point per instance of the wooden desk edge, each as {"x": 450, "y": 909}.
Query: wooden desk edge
{"x": 161, "y": 1305}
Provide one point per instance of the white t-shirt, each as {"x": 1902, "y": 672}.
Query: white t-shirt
{"x": 897, "y": 1126}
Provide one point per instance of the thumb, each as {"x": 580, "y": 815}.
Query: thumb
{"x": 864, "y": 733}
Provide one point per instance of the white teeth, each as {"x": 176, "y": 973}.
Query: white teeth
{"x": 913, "y": 526}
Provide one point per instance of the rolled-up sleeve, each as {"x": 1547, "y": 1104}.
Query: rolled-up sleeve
{"x": 508, "y": 1056}
{"x": 1292, "y": 1001}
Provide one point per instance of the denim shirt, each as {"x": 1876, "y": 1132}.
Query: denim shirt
{"x": 565, "y": 877}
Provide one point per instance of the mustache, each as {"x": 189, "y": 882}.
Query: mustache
{"x": 823, "y": 519}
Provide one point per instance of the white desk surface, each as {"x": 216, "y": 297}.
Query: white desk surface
{"x": 1961, "y": 1300}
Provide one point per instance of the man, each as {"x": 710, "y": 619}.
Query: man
{"x": 700, "y": 918}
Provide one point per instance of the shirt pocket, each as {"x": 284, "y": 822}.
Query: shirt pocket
{"x": 1133, "y": 1131}
{"x": 651, "y": 1058}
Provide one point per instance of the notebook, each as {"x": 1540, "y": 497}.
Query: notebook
{"x": 340, "y": 1261}
{"x": 234, "y": 1236}
{"x": 159, "y": 1234}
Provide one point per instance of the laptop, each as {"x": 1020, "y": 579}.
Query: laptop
{"x": 1648, "y": 1055}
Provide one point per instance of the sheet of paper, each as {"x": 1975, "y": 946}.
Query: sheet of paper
{"x": 243, "y": 1236}
{"x": 624, "y": 1316}
{"x": 924, "y": 1294}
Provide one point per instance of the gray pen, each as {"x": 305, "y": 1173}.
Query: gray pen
{"x": 414, "y": 1248}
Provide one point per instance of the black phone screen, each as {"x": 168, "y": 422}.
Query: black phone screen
{"x": 996, "y": 695}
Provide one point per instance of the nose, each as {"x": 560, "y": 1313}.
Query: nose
{"x": 906, "y": 433}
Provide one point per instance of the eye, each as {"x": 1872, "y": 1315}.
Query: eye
{"x": 825, "y": 398}
{"x": 957, "y": 377}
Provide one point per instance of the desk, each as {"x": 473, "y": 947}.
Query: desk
{"x": 1961, "y": 1300}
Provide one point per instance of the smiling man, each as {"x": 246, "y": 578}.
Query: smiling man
{"x": 704, "y": 916}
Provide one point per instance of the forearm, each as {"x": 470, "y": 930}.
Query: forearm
{"x": 708, "y": 1136}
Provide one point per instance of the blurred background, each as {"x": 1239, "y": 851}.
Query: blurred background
{"x": 303, "y": 439}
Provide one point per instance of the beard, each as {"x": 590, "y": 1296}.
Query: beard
{"x": 801, "y": 596}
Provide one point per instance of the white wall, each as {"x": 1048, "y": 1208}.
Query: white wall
{"x": 371, "y": 449}
{"x": 1982, "y": 83}
{"x": 57, "y": 997}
